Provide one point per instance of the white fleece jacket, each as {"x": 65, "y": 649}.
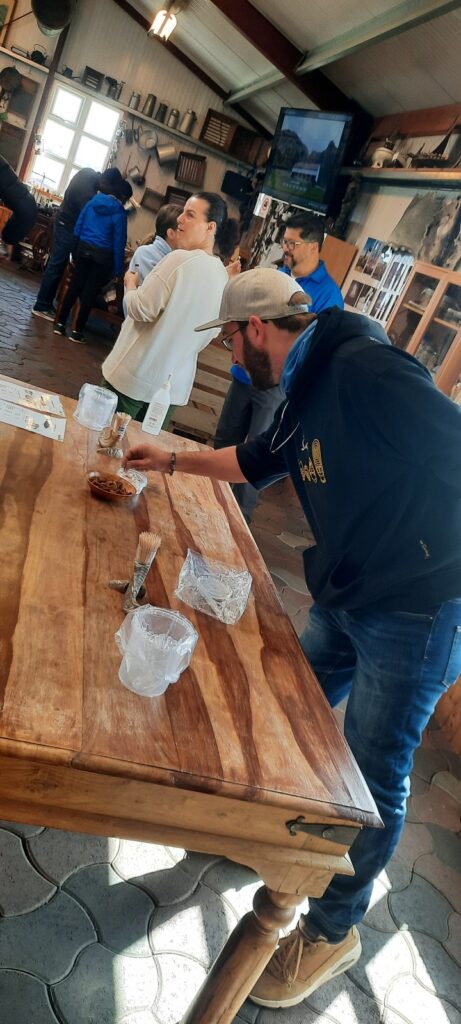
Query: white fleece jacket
{"x": 157, "y": 338}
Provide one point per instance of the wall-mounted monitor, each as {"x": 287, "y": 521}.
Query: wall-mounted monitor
{"x": 306, "y": 156}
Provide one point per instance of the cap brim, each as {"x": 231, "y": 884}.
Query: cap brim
{"x": 210, "y": 324}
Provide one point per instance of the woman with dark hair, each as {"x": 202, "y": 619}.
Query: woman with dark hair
{"x": 157, "y": 339}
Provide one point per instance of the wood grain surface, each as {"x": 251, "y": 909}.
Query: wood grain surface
{"x": 247, "y": 721}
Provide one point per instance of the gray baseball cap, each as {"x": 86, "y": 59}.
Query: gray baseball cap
{"x": 262, "y": 292}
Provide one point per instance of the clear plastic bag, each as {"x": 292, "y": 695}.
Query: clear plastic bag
{"x": 213, "y": 588}
{"x": 157, "y": 645}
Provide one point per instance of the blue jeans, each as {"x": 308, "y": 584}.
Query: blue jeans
{"x": 393, "y": 667}
{"x": 247, "y": 412}
{"x": 57, "y": 263}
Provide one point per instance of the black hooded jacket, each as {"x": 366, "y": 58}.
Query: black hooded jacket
{"x": 374, "y": 452}
{"x": 15, "y": 195}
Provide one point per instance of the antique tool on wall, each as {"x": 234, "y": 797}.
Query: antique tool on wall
{"x": 139, "y": 178}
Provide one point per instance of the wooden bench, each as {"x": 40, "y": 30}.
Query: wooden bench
{"x": 199, "y": 418}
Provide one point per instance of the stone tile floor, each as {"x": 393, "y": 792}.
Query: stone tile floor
{"x": 106, "y": 931}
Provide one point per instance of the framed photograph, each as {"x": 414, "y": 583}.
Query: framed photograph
{"x": 6, "y": 14}
{"x": 360, "y": 296}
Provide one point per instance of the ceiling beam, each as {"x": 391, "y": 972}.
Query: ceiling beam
{"x": 401, "y": 18}
{"x": 405, "y": 16}
{"x": 190, "y": 64}
{"x": 277, "y": 49}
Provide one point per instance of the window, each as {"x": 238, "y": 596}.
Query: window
{"x": 78, "y": 132}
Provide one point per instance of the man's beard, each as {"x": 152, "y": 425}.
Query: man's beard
{"x": 258, "y": 365}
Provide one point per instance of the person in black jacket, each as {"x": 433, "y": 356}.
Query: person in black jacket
{"x": 374, "y": 451}
{"x": 84, "y": 185}
{"x": 15, "y": 195}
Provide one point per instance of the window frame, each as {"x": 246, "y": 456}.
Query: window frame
{"x": 78, "y": 127}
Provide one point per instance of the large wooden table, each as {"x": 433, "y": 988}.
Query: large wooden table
{"x": 242, "y": 745}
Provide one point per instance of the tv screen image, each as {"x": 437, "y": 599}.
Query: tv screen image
{"x": 306, "y": 156}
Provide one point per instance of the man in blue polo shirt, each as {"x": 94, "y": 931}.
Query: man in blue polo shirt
{"x": 248, "y": 411}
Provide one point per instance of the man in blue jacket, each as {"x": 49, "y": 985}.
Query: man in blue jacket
{"x": 99, "y": 254}
{"x": 248, "y": 410}
{"x": 374, "y": 451}
{"x": 84, "y": 185}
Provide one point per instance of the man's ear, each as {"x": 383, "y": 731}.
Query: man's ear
{"x": 257, "y": 332}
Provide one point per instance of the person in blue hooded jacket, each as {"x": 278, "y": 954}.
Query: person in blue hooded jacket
{"x": 373, "y": 449}
{"x": 99, "y": 254}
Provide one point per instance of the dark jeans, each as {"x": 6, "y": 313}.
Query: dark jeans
{"x": 393, "y": 667}
{"x": 246, "y": 412}
{"x": 57, "y": 263}
{"x": 86, "y": 282}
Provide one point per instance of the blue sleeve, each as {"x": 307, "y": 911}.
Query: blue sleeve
{"x": 119, "y": 242}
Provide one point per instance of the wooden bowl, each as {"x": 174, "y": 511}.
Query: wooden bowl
{"x": 96, "y": 484}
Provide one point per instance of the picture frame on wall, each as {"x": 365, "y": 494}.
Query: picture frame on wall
{"x": 7, "y": 10}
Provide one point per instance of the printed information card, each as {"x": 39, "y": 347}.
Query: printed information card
{"x": 31, "y": 398}
{"x": 29, "y": 419}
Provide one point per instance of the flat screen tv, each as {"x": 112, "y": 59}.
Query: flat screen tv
{"x": 305, "y": 158}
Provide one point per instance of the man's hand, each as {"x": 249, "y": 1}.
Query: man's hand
{"x": 131, "y": 280}
{"x": 147, "y": 456}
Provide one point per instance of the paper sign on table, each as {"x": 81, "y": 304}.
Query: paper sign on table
{"x": 30, "y": 397}
{"x": 28, "y": 419}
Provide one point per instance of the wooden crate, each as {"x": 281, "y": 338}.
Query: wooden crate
{"x": 190, "y": 169}
{"x": 218, "y": 130}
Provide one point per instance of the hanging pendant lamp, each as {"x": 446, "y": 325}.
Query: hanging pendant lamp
{"x": 53, "y": 15}
{"x": 165, "y": 20}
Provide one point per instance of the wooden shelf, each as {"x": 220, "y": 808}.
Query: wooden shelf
{"x": 414, "y": 308}
{"x": 24, "y": 60}
{"x": 186, "y": 140}
{"x": 449, "y": 178}
{"x": 446, "y": 323}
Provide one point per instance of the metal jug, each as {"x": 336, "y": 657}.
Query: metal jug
{"x": 161, "y": 112}
{"x": 166, "y": 153}
{"x": 188, "y": 121}
{"x": 134, "y": 100}
{"x": 149, "y": 106}
{"x": 173, "y": 118}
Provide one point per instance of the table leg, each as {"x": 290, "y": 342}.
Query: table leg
{"x": 244, "y": 957}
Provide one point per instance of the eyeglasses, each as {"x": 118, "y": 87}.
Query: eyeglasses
{"x": 291, "y": 246}
{"x": 227, "y": 341}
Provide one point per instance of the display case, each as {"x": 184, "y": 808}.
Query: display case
{"x": 427, "y": 322}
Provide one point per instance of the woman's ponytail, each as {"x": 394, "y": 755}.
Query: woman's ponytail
{"x": 227, "y": 228}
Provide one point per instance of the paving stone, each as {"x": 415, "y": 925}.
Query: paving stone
{"x": 105, "y": 988}
{"x": 45, "y": 942}
{"x": 248, "y": 1013}
{"x": 170, "y": 887}
{"x": 445, "y": 877}
{"x": 378, "y": 915}
{"x": 180, "y": 979}
{"x": 24, "y": 1000}
{"x": 396, "y": 875}
{"x": 22, "y": 830}
{"x": 418, "y": 786}
{"x": 22, "y": 887}
{"x": 384, "y": 957}
{"x": 449, "y": 783}
{"x": 290, "y": 579}
{"x": 434, "y": 968}
{"x": 436, "y": 807}
{"x": 134, "y": 858}
{"x": 236, "y": 884}
{"x": 422, "y": 908}
{"x": 453, "y": 943}
{"x": 427, "y": 762}
{"x": 58, "y": 853}
{"x": 454, "y": 763}
{"x": 301, "y": 1014}
{"x": 407, "y": 996}
{"x": 199, "y": 927}
{"x": 141, "y": 1017}
{"x": 292, "y": 540}
{"x": 120, "y": 910}
{"x": 414, "y": 841}
{"x": 344, "y": 1001}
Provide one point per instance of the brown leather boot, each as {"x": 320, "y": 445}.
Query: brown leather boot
{"x": 299, "y": 966}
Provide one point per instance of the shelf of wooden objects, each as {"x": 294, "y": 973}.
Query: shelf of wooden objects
{"x": 448, "y": 178}
{"x": 138, "y": 115}
{"x": 24, "y": 60}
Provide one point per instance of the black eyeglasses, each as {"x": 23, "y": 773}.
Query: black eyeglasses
{"x": 227, "y": 341}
